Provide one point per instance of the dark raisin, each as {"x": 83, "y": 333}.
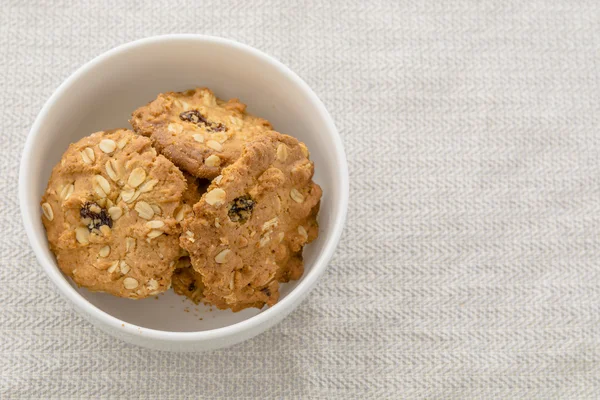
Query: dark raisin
{"x": 192, "y": 287}
{"x": 241, "y": 209}
{"x": 195, "y": 117}
{"x": 266, "y": 291}
{"x": 90, "y": 210}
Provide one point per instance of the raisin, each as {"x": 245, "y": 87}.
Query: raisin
{"x": 195, "y": 117}
{"x": 97, "y": 218}
{"x": 192, "y": 287}
{"x": 241, "y": 209}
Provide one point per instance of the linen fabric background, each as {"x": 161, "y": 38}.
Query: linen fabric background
{"x": 470, "y": 263}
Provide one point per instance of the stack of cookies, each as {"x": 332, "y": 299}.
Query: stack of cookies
{"x": 201, "y": 196}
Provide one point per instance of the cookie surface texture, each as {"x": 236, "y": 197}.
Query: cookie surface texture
{"x": 198, "y": 132}
{"x": 109, "y": 213}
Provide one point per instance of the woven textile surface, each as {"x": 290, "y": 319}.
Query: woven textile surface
{"x": 470, "y": 263}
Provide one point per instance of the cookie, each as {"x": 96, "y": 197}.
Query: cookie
{"x": 247, "y": 232}
{"x": 187, "y": 282}
{"x": 198, "y": 132}
{"x": 109, "y": 212}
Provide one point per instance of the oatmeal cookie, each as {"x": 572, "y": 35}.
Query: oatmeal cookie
{"x": 247, "y": 232}
{"x": 109, "y": 212}
{"x": 198, "y": 132}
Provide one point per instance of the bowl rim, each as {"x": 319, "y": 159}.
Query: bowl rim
{"x": 287, "y": 303}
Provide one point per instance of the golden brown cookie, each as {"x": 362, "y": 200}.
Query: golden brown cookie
{"x": 198, "y": 132}
{"x": 248, "y": 230}
{"x": 109, "y": 213}
{"x": 187, "y": 282}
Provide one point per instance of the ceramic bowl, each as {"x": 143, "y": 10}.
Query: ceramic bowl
{"x": 102, "y": 94}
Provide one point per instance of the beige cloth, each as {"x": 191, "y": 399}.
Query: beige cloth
{"x": 470, "y": 264}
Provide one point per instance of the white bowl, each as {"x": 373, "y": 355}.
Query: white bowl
{"x": 102, "y": 94}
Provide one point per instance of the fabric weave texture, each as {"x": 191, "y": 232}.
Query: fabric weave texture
{"x": 470, "y": 263}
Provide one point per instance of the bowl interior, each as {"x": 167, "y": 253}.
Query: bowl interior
{"x": 103, "y": 95}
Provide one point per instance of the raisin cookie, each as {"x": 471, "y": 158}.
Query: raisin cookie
{"x": 187, "y": 282}
{"x": 198, "y": 132}
{"x": 247, "y": 232}
{"x": 109, "y": 213}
